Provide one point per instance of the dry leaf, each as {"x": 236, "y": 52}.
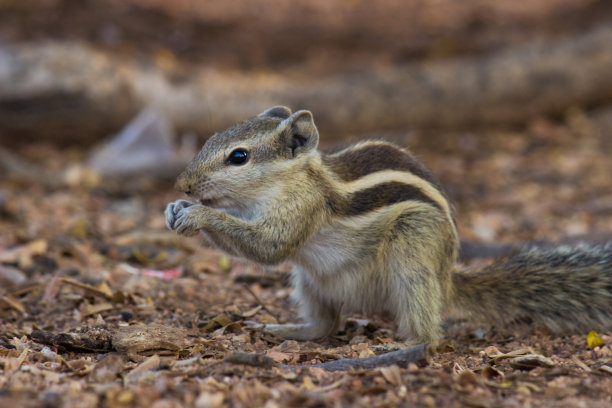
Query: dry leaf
{"x": 151, "y": 363}
{"x": 467, "y": 377}
{"x": 51, "y": 289}
{"x": 225, "y": 263}
{"x": 10, "y": 276}
{"x": 210, "y": 400}
{"x": 145, "y": 340}
{"x": 102, "y": 290}
{"x": 14, "y": 303}
{"x": 279, "y": 356}
{"x": 489, "y": 373}
{"x": 594, "y": 340}
{"x": 38, "y": 247}
{"x": 529, "y": 361}
{"x": 492, "y": 351}
{"x": 252, "y": 312}
{"x": 606, "y": 369}
{"x": 392, "y": 374}
{"x": 108, "y": 368}
{"x": 307, "y": 383}
{"x": 95, "y": 309}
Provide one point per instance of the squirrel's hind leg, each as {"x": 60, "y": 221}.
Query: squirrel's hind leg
{"x": 417, "y": 275}
{"x": 321, "y": 317}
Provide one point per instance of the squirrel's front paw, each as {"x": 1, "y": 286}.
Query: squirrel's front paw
{"x": 182, "y": 216}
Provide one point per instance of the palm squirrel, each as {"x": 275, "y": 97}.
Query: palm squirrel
{"x": 369, "y": 229}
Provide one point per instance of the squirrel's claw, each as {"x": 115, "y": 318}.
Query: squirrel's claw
{"x": 177, "y": 218}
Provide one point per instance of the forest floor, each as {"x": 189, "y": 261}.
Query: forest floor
{"x": 82, "y": 259}
{"x": 101, "y": 305}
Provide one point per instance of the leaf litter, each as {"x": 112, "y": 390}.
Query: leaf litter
{"x": 101, "y": 306}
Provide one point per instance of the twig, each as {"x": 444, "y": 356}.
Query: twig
{"x": 25, "y": 289}
{"x": 258, "y": 300}
{"x": 250, "y": 359}
{"x": 80, "y": 342}
{"x": 14, "y": 303}
{"x": 85, "y": 286}
{"x": 419, "y": 355}
{"x": 580, "y": 364}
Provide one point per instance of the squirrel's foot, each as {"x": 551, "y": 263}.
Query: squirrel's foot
{"x": 181, "y": 216}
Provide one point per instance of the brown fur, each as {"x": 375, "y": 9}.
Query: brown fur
{"x": 369, "y": 229}
{"x": 355, "y": 163}
{"x": 382, "y": 195}
{"x": 565, "y": 289}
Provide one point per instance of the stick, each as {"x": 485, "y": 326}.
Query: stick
{"x": 80, "y": 342}
{"x": 419, "y": 355}
{"x": 250, "y": 359}
{"x": 258, "y": 300}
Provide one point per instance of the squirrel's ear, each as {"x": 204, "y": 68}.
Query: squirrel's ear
{"x": 281, "y": 112}
{"x": 300, "y": 132}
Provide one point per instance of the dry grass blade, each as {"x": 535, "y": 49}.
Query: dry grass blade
{"x": 14, "y": 303}
{"x": 104, "y": 292}
{"x": 258, "y": 300}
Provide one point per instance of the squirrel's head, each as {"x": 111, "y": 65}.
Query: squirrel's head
{"x": 243, "y": 164}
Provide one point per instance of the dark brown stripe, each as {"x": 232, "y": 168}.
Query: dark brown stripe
{"x": 381, "y": 195}
{"x": 354, "y": 164}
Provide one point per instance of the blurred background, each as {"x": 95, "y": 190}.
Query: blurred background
{"x": 102, "y": 103}
{"x": 510, "y": 103}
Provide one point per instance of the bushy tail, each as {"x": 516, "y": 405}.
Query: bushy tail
{"x": 566, "y": 289}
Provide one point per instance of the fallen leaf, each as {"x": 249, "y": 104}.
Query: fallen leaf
{"x": 279, "y": 356}
{"x": 252, "y": 312}
{"x": 392, "y": 374}
{"x": 102, "y": 290}
{"x": 489, "y": 373}
{"x": 140, "y": 341}
{"x": 606, "y": 369}
{"x": 95, "y": 309}
{"x": 492, "y": 351}
{"x": 14, "y": 303}
{"x": 594, "y": 340}
{"x": 467, "y": 377}
{"x": 38, "y": 247}
{"x": 225, "y": 263}
{"x": 210, "y": 400}
{"x": 51, "y": 289}
{"x": 529, "y": 361}
{"x": 151, "y": 363}
{"x": 216, "y": 322}
{"x": 10, "y": 276}
{"x": 13, "y": 363}
{"x": 307, "y": 383}
{"x": 108, "y": 368}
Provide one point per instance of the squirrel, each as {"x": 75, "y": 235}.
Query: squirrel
{"x": 370, "y": 229}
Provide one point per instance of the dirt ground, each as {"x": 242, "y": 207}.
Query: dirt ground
{"x": 84, "y": 256}
{"x": 101, "y": 305}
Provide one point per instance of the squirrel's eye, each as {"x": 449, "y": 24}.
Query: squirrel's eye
{"x": 238, "y": 157}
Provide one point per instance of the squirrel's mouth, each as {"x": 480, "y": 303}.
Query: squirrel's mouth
{"x": 208, "y": 202}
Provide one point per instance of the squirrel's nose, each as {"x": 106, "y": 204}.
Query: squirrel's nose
{"x": 182, "y": 184}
